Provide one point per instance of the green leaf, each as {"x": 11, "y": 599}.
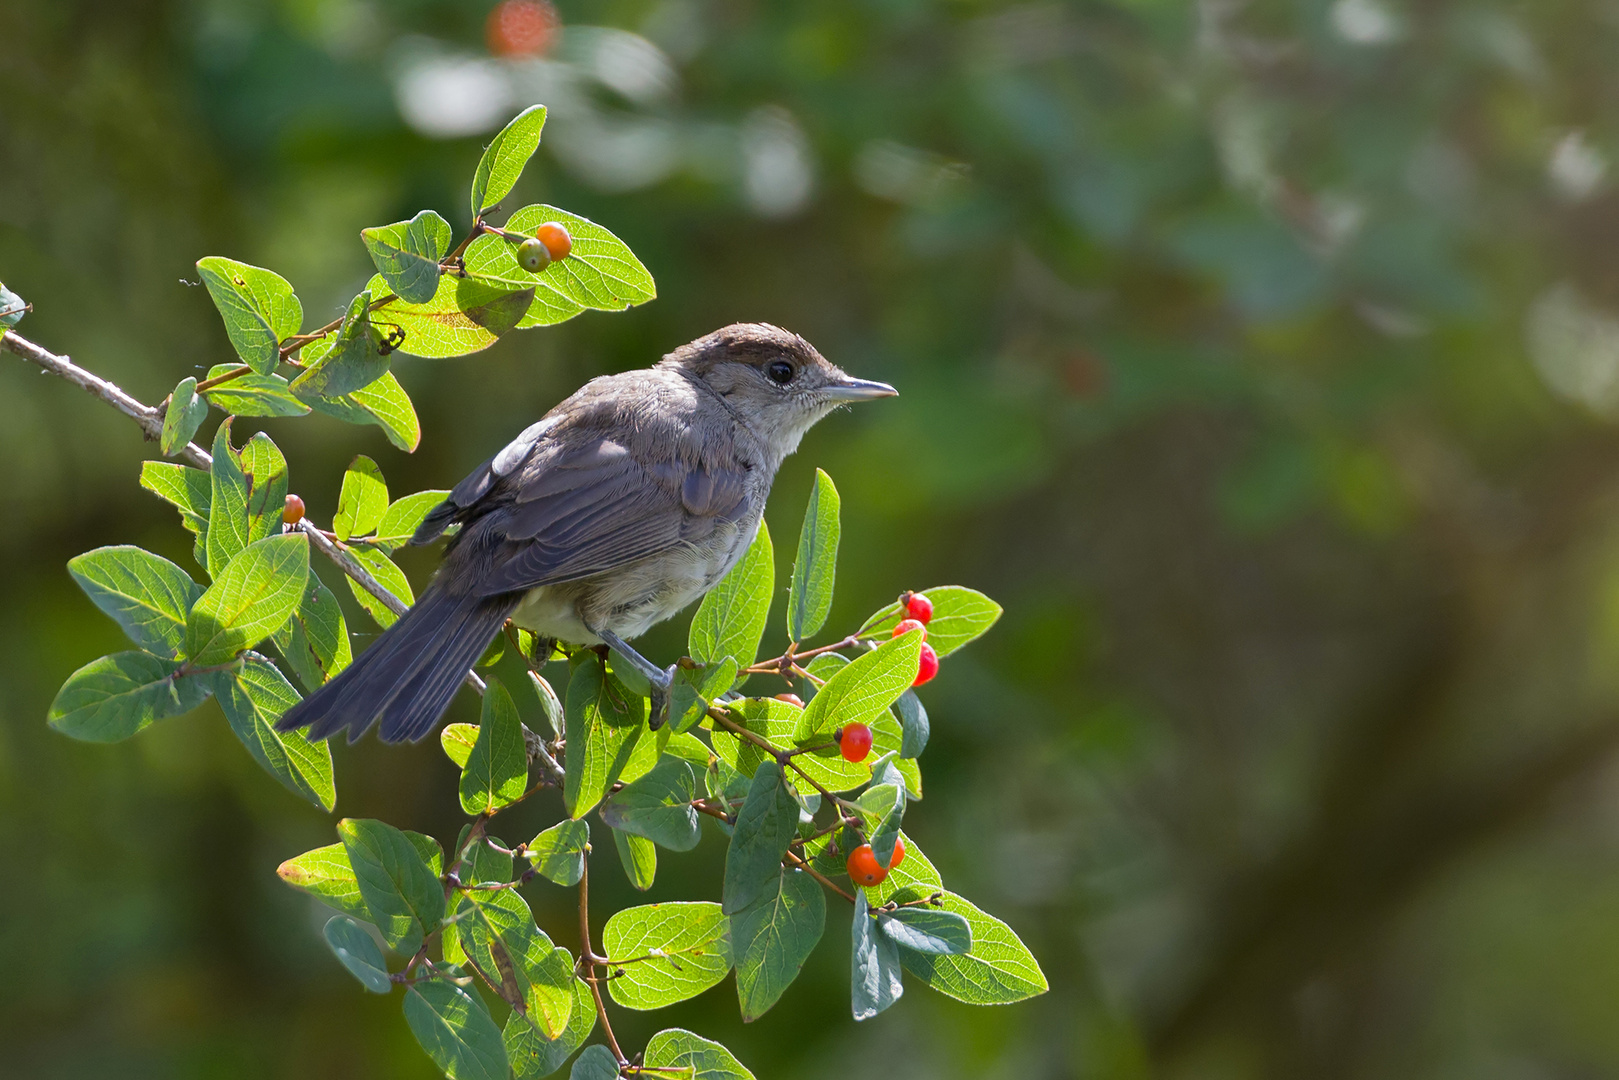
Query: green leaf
{"x": 407, "y": 253}
{"x": 147, "y": 595}
{"x": 678, "y": 951}
{"x": 532, "y": 1055}
{"x": 658, "y": 806}
{"x": 496, "y": 932}
{"x": 765, "y": 826}
{"x": 248, "y": 495}
{"x": 502, "y": 163}
{"x": 496, "y": 773}
{"x": 874, "y": 965}
{"x": 863, "y": 690}
{"x": 358, "y": 952}
{"x": 254, "y": 395}
{"x": 389, "y": 576}
{"x": 927, "y": 929}
{"x": 315, "y": 640}
{"x": 402, "y": 892}
{"x": 465, "y": 315}
{"x": 264, "y": 469}
{"x": 12, "y": 308}
{"x": 883, "y": 805}
{"x": 558, "y": 853}
{"x": 639, "y": 856}
{"x": 253, "y": 695}
{"x": 187, "y": 489}
{"x": 383, "y": 403}
{"x": 458, "y": 741}
{"x": 676, "y": 1052}
{"x": 403, "y": 516}
{"x": 483, "y": 863}
{"x": 605, "y": 723}
{"x": 258, "y": 307}
{"x": 771, "y": 939}
{"x": 363, "y": 500}
{"x": 455, "y": 1028}
{"x": 959, "y": 615}
{"x": 695, "y": 690}
{"x": 600, "y": 273}
{"x": 185, "y": 415}
{"x": 731, "y": 619}
{"x": 349, "y": 360}
{"x": 596, "y": 1063}
{"x": 998, "y": 970}
{"x": 550, "y": 704}
{"x": 809, "y": 596}
{"x": 252, "y": 599}
{"x": 913, "y": 719}
{"x": 114, "y": 697}
{"x": 326, "y": 874}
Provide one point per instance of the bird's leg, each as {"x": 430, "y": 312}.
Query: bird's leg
{"x": 660, "y": 679}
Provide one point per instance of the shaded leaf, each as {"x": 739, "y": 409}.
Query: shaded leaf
{"x": 253, "y": 694}
{"x": 558, "y": 853}
{"x": 407, "y": 253}
{"x": 596, "y": 1063}
{"x": 358, "y": 952}
{"x": 12, "y": 308}
{"x": 998, "y": 970}
{"x": 532, "y": 1055}
{"x": 639, "y": 857}
{"x": 315, "y": 641}
{"x": 927, "y": 929}
{"x": 695, "y": 690}
{"x": 658, "y": 806}
{"x": 765, "y": 826}
{"x": 383, "y": 403}
{"x": 455, "y": 1028}
{"x": 864, "y": 689}
{"x": 777, "y": 722}
{"x": 771, "y": 939}
{"x": 254, "y": 394}
{"x": 874, "y": 965}
{"x": 605, "y": 723}
{"x": 913, "y": 720}
{"x": 402, "y": 892}
{"x": 497, "y": 934}
{"x": 352, "y": 358}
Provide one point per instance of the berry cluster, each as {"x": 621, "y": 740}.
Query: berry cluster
{"x": 865, "y": 870}
{"x": 918, "y": 612}
{"x": 550, "y": 243}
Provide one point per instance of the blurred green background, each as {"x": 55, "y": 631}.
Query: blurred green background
{"x": 1262, "y": 356}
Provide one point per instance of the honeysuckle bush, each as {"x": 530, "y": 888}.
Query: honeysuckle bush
{"x": 487, "y": 993}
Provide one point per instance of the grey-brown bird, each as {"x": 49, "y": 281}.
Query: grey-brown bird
{"x": 620, "y": 507}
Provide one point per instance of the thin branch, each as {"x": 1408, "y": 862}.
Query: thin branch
{"x": 818, "y": 876}
{"x": 588, "y": 957}
{"x": 150, "y": 419}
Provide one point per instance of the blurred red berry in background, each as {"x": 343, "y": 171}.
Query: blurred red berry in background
{"x": 522, "y": 27}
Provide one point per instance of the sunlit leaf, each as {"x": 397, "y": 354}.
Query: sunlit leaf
{"x": 454, "y": 1027}
{"x": 114, "y": 697}
{"x": 407, "y": 253}
{"x": 253, "y": 694}
{"x": 809, "y": 596}
{"x": 252, "y": 599}
{"x": 666, "y": 952}
{"x": 184, "y": 416}
{"x": 257, "y": 305}
{"x": 148, "y": 596}
{"x": 356, "y": 951}
{"x": 731, "y": 619}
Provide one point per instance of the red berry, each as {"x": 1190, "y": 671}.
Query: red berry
{"x": 919, "y": 607}
{"x": 555, "y": 238}
{"x": 854, "y": 742}
{"x": 899, "y": 854}
{"x": 791, "y": 699}
{"x": 907, "y": 625}
{"x": 929, "y": 666}
{"x": 294, "y": 511}
{"x": 521, "y": 27}
{"x": 863, "y": 867}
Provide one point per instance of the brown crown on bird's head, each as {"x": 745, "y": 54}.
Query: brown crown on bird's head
{"x": 775, "y": 379}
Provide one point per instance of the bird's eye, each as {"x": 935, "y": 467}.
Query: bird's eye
{"x": 780, "y": 372}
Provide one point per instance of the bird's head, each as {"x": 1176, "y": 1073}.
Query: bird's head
{"x": 775, "y": 380}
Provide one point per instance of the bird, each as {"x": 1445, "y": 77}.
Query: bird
{"x": 616, "y": 510}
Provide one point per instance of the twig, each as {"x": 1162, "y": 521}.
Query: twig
{"x": 150, "y": 419}
{"x": 818, "y": 876}
{"x": 588, "y": 957}
{"x": 783, "y": 757}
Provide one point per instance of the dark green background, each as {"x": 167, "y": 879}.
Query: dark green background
{"x": 1227, "y": 335}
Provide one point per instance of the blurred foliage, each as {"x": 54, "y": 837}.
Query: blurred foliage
{"x": 1261, "y": 357}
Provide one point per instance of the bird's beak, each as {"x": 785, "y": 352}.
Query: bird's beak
{"x": 847, "y": 389}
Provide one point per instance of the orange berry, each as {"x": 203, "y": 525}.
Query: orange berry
{"x": 863, "y": 867}
{"x": 854, "y": 742}
{"x": 899, "y": 854}
{"x": 554, "y": 235}
{"x": 294, "y": 510}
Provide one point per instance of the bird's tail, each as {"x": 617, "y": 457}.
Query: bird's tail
{"x": 408, "y": 676}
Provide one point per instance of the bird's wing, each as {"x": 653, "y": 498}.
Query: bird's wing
{"x": 582, "y": 509}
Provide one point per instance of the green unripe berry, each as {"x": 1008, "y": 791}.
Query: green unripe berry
{"x": 533, "y": 255}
